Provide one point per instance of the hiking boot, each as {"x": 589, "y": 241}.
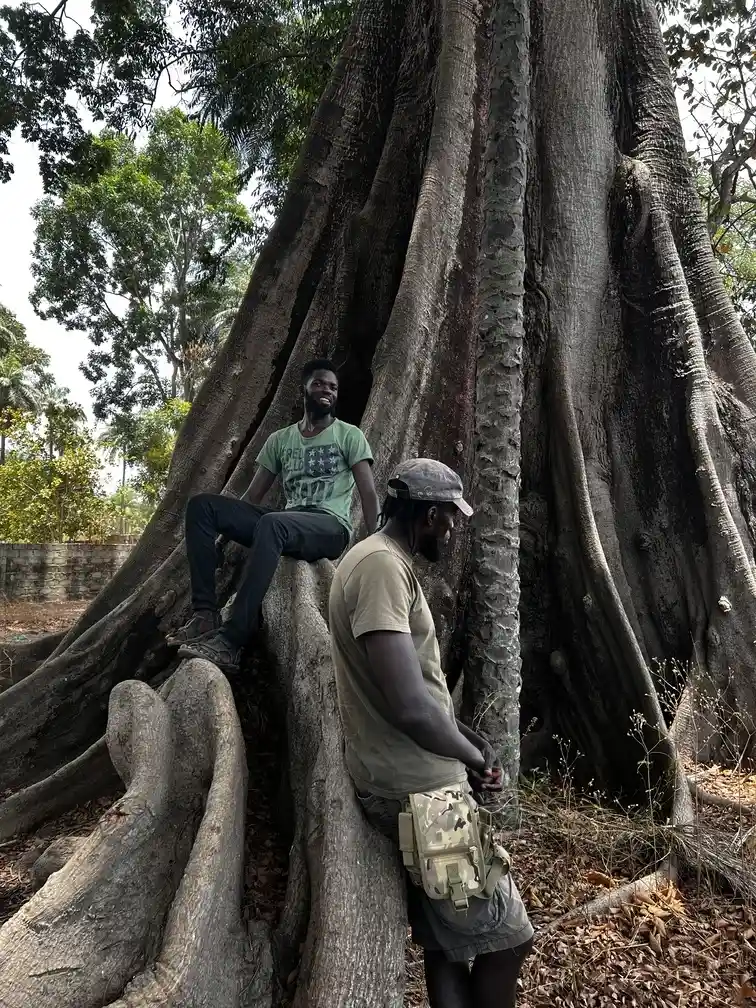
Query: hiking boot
{"x": 214, "y": 648}
{"x": 200, "y": 625}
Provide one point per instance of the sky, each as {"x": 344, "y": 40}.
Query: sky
{"x": 67, "y": 350}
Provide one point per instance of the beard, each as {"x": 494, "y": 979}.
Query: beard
{"x": 431, "y": 549}
{"x": 316, "y": 408}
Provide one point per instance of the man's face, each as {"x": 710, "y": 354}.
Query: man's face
{"x": 321, "y": 393}
{"x": 436, "y": 532}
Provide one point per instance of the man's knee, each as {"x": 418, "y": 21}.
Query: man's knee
{"x": 199, "y": 504}
{"x": 271, "y": 526}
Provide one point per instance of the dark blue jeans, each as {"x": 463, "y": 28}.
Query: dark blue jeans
{"x": 303, "y": 533}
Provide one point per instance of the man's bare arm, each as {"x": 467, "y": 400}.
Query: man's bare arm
{"x": 261, "y": 483}
{"x": 363, "y": 477}
{"x": 408, "y": 705}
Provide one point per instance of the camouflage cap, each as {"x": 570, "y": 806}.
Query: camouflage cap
{"x": 428, "y": 480}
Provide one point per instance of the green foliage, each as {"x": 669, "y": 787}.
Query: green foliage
{"x": 127, "y": 512}
{"x": 145, "y": 442}
{"x": 152, "y": 448}
{"x": 62, "y": 418}
{"x": 256, "y": 68}
{"x": 51, "y": 500}
{"x": 48, "y": 61}
{"x": 734, "y": 244}
{"x": 258, "y": 71}
{"x": 19, "y": 396}
{"x": 15, "y": 342}
{"x": 712, "y": 50}
{"x": 133, "y": 256}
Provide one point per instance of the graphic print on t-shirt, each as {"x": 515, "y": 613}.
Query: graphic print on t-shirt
{"x": 322, "y": 461}
{"x": 319, "y": 473}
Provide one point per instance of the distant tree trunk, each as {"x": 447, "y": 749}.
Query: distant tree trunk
{"x": 637, "y": 469}
{"x": 2, "y": 449}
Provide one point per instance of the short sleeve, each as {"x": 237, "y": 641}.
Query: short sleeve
{"x": 270, "y": 457}
{"x": 356, "y": 447}
{"x": 379, "y": 595}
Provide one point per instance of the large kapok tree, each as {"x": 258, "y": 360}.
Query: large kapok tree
{"x": 493, "y": 230}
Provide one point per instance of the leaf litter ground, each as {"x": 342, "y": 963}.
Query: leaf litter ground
{"x": 691, "y": 945}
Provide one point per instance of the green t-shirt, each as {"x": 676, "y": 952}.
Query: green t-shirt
{"x": 317, "y": 471}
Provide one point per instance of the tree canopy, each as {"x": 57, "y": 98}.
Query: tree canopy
{"x": 256, "y": 68}
{"x": 133, "y": 256}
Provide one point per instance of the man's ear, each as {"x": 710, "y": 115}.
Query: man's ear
{"x": 431, "y": 514}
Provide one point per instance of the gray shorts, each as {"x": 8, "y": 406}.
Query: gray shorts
{"x": 487, "y": 926}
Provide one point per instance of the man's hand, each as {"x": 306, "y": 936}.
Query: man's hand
{"x": 491, "y": 778}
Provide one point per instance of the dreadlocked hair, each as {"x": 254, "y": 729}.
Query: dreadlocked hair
{"x": 404, "y": 511}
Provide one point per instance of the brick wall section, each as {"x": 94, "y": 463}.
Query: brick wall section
{"x": 57, "y": 571}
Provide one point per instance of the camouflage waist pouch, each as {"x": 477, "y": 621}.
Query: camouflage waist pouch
{"x": 448, "y": 847}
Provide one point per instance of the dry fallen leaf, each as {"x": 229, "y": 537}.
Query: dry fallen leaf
{"x": 599, "y": 878}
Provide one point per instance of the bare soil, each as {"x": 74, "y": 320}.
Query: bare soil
{"x": 22, "y": 620}
{"x": 692, "y": 945}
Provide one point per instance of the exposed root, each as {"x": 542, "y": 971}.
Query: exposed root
{"x": 88, "y": 776}
{"x": 54, "y": 857}
{"x": 639, "y": 889}
{"x": 719, "y": 801}
{"x": 201, "y": 959}
{"x": 353, "y": 943}
{"x": 713, "y": 852}
{"x": 689, "y": 842}
{"x": 80, "y": 938}
{"x": 50, "y": 717}
{"x": 19, "y": 660}
{"x": 99, "y": 920}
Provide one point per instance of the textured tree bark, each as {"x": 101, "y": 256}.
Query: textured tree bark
{"x": 492, "y": 672}
{"x": 637, "y": 520}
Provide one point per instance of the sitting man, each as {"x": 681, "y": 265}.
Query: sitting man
{"x": 319, "y": 460}
{"x": 401, "y": 735}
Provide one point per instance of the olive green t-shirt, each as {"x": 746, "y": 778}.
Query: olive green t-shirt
{"x": 317, "y": 471}
{"x": 375, "y": 588}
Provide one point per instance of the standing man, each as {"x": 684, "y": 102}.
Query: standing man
{"x": 319, "y": 460}
{"x": 401, "y": 735}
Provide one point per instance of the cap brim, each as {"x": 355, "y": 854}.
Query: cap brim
{"x": 464, "y": 507}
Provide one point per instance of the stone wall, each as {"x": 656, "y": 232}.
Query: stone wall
{"x": 57, "y": 571}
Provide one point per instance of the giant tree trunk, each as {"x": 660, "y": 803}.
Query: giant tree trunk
{"x": 637, "y": 516}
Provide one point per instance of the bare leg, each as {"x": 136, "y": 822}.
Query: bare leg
{"x": 494, "y": 977}
{"x": 448, "y": 983}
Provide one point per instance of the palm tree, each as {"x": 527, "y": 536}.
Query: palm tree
{"x": 61, "y": 416}
{"x": 6, "y": 339}
{"x": 117, "y": 440}
{"x": 18, "y": 392}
